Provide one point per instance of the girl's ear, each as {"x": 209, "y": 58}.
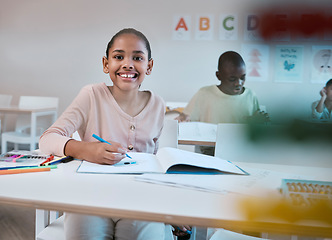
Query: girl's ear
{"x": 150, "y": 66}
{"x": 105, "y": 65}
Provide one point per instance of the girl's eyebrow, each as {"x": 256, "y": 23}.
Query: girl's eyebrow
{"x": 122, "y": 51}
{"x": 139, "y": 51}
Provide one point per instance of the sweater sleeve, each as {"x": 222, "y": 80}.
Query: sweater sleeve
{"x": 54, "y": 139}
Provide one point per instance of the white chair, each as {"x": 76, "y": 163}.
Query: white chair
{"x": 22, "y": 134}
{"x": 5, "y": 101}
{"x": 169, "y": 135}
{"x": 49, "y": 225}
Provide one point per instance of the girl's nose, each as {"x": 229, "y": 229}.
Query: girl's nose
{"x": 128, "y": 64}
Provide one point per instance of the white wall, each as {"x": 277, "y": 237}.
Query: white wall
{"x": 54, "y": 48}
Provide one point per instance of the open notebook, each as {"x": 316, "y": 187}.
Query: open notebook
{"x": 167, "y": 160}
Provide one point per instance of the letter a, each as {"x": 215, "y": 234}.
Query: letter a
{"x": 181, "y": 24}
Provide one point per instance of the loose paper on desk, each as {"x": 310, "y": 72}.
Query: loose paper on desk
{"x": 197, "y": 131}
{"x": 258, "y": 182}
{"x": 167, "y": 160}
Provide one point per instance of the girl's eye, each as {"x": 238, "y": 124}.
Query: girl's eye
{"x": 138, "y": 58}
{"x": 118, "y": 57}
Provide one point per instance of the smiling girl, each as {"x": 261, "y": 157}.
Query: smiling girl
{"x": 121, "y": 114}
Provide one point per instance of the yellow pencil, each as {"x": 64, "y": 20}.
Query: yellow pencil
{"x": 25, "y": 170}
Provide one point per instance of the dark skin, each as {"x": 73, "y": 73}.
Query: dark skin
{"x": 232, "y": 78}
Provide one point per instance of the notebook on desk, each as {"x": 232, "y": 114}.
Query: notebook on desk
{"x": 167, "y": 160}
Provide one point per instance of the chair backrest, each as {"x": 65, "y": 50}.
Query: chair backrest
{"x": 31, "y": 102}
{"x": 5, "y": 100}
{"x": 38, "y": 102}
{"x": 169, "y": 135}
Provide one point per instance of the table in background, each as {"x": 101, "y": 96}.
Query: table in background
{"x": 34, "y": 113}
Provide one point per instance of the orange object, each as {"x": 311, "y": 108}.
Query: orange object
{"x": 24, "y": 170}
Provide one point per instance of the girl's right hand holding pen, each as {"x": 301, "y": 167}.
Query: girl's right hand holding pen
{"x": 96, "y": 152}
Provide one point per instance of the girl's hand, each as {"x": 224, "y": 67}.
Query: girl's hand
{"x": 104, "y": 153}
{"x": 96, "y": 152}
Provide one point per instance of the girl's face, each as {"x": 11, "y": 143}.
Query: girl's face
{"x": 127, "y": 62}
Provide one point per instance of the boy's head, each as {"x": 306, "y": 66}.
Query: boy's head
{"x": 328, "y": 83}
{"x": 231, "y": 72}
{"x": 130, "y": 31}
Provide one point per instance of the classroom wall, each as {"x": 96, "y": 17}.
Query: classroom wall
{"x": 54, "y": 48}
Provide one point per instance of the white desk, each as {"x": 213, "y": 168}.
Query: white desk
{"x": 34, "y": 112}
{"x": 121, "y": 196}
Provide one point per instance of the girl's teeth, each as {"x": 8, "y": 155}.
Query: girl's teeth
{"x": 127, "y": 75}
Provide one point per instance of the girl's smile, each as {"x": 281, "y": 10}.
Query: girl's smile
{"x": 128, "y": 76}
{"x": 127, "y": 62}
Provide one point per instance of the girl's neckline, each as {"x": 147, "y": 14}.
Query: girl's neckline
{"x": 133, "y": 110}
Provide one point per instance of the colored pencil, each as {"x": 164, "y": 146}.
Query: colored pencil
{"x": 24, "y": 170}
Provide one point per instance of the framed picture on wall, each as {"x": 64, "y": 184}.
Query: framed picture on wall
{"x": 321, "y": 64}
{"x": 256, "y": 57}
{"x": 288, "y": 64}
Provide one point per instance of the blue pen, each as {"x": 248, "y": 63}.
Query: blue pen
{"x": 102, "y": 140}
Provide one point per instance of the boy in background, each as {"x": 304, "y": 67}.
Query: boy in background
{"x": 321, "y": 109}
{"x": 228, "y": 102}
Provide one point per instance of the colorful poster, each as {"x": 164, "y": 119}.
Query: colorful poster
{"x": 281, "y": 31}
{"x": 256, "y": 57}
{"x": 228, "y": 27}
{"x": 204, "y": 27}
{"x": 181, "y": 28}
{"x": 321, "y": 64}
{"x": 251, "y": 28}
{"x": 328, "y": 27}
{"x": 288, "y": 63}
